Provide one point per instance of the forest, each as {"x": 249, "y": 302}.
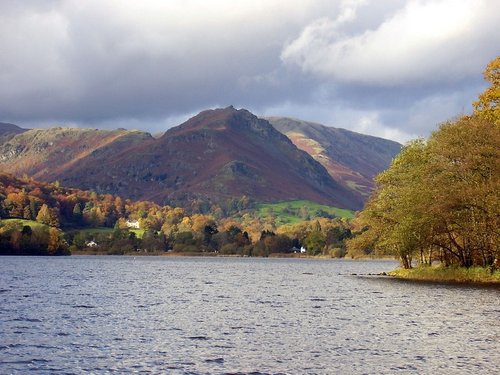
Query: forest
{"x": 47, "y": 219}
{"x": 440, "y": 198}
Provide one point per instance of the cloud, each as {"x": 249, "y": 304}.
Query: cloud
{"x": 425, "y": 41}
{"x": 399, "y": 65}
{"x": 95, "y": 59}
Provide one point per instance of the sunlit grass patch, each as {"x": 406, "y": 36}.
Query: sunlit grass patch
{"x": 19, "y": 223}
{"x": 449, "y": 274}
{"x": 139, "y": 233}
{"x": 291, "y": 212}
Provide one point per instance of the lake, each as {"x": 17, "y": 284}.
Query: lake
{"x": 238, "y": 315}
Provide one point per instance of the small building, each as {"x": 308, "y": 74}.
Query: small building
{"x": 91, "y": 244}
{"x": 296, "y": 250}
{"x": 132, "y": 224}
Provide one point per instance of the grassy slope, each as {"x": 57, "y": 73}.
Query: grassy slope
{"x": 22, "y": 222}
{"x": 286, "y": 218}
{"x": 449, "y": 274}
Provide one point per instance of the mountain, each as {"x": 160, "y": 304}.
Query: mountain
{"x": 216, "y": 155}
{"x": 7, "y": 131}
{"x": 49, "y": 154}
{"x": 352, "y": 159}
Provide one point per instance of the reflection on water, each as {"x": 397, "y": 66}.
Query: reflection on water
{"x": 238, "y": 315}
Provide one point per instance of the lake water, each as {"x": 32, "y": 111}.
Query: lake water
{"x": 238, "y": 315}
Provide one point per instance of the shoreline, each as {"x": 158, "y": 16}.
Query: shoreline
{"x": 215, "y": 255}
{"x": 200, "y": 255}
{"x": 474, "y": 276}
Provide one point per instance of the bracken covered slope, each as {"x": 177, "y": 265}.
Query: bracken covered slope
{"x": 216, "y": 155}
{"x": 49, "y": 154}
{"x": 7, "y": 131}
{"x": 352, "y": 159}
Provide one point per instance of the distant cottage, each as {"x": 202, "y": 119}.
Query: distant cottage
{"x": 302, "y": 250}
{"x": 133, "y": 224}
{"x": 91, "y": 244}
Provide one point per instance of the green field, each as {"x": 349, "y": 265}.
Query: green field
{"x": 138, "y": 232}
{"x": 291, "y": 212}
{"x": 100, "y": 230}
{"x": 19, "y": 223}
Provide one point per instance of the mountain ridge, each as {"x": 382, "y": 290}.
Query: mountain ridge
{"x": 219, "y": 154}
{"x": 7, "y": 131}
{"x": 351, "y": 158}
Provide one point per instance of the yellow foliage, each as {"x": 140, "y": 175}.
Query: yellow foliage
{"x": 185, "y": 225}
{"x": 487, "y": 106}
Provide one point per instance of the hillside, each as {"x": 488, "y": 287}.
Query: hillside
{"x": 48, "y": 154}
{"x": 38, "y": 218}
{"x": 352, "y": 159}
{"x": 216, "y": 155}
{"x": 7, "y": 131}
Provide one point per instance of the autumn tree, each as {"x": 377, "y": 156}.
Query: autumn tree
{"x": 442, "y": 195}
{"x": 48, "y": 216}
{"x": 152, "y": 241}
{"x": 466, "y": 168}
{"x": 278, "y": 244}
{"x": 315, "y": 242}
{"x": 16, "y": 202}
{"x": 487, "y": 106}
{"x": 231, "y": 241}
{"x": 27, "y": 214}
{"x": 53, "y": 245}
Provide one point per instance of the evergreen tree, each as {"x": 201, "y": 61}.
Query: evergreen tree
{"x": 77, "y": 213}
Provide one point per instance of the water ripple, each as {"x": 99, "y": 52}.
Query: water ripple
{"x": 237, "y": 316}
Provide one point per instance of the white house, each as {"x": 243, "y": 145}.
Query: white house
{"x": 91, "y": 244}
{"x": 302, "y": 250}
{"x": 133, "y": 224}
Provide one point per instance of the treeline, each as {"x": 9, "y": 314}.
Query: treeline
{"x": 63, "y": 207}
{"x": 51, "y": 209}
{"x": 204, "y": 235}
{"x": 38, "y": 239}
{"x": 58, "y": 207}
{"x": 440, "y": 198}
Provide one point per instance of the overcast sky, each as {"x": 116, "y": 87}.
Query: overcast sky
{"x": 391, "y": 68}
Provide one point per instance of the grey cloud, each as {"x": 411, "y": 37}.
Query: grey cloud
{"x": 93, "y": 64}
{"x": 147, "y": 65}
{"x": 421, "y": 42}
